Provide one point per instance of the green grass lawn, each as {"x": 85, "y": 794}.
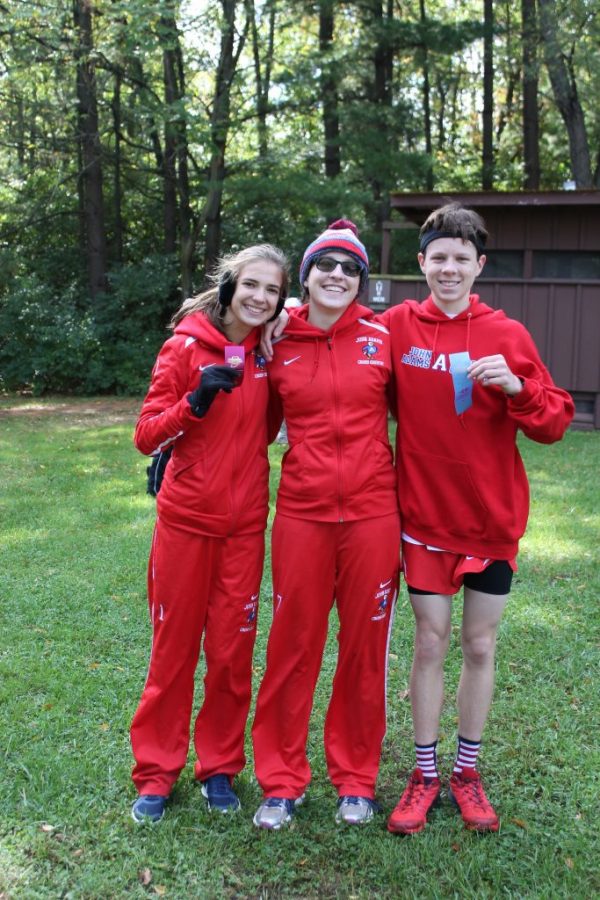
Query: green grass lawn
{"x": 76, "y": 526}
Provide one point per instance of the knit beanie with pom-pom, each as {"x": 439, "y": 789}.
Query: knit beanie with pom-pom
{"x": 341, "y": 235}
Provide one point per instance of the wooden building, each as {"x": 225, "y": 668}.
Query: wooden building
{"x": 543, "y": 268}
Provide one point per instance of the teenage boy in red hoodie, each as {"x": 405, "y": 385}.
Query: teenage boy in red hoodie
{"x": 467, "y": 379}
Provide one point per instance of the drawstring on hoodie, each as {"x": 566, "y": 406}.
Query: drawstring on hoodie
{"x": 461, "y": 417}
{"x": 435, "y": 337}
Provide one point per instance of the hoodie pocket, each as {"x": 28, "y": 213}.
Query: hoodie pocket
{"x": 440, "y": 494}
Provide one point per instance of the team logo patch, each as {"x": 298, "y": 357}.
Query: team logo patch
{"x": 382, "y": 599}
{"x": 418, "y": 357}
{"x": 260, "y": 365}
{"x": 370, "y": 347}
{"x": 250, "y": 614}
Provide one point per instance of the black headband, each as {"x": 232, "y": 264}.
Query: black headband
{"x": 432, "y": 235}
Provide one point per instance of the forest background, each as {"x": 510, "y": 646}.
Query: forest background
{"x": 139, "y": 140}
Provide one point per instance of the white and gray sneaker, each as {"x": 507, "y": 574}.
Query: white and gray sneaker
{"x": 275, "y": 812}
{"x": 356, "y": 810}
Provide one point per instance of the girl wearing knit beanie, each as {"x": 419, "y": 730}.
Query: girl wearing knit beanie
{"x": 336, "y": 538}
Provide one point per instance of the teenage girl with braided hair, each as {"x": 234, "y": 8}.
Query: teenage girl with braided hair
{"x": 208, "y": 400}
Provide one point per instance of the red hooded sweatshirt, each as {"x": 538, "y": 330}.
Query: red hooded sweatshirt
{"x": 216, "y": 482}
{"x": 461, "y": 480}
{"x": 331, "y": 387}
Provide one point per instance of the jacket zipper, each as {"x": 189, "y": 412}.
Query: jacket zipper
{"x": 234, "y": 483}
{"x": 338, "y": 432}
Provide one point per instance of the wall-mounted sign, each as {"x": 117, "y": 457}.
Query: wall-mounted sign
{"x": 379, "y": 291}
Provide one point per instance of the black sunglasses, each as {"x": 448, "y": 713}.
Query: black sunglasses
{"x": 328, "y": 264}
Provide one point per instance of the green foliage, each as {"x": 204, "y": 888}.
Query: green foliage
{"x": 130, "y": 323}
{"x": 54, "y": 341}
{"x": 48, "y": 341}
{"x": 273, "y": 204}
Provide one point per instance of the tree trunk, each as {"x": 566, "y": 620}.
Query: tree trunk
{"x": 20, "y": 135}
{"x": 186, "y": 216}
{"x": 168, "y": 175}
{"x": 442, "y": 92}
{"x": 262, "y": 72}
{"x": 177, "y": 210}
{"x": 118, "y": 190}
{"x": 380, "y": 14}
{"x": 329, "y": 90}
{"x": 564, "y": 88}
{"x": 89, "y": 141}
{"x": 426, "y": 100}
{"x": 220, "y": 123}
{"x": 487, "y": 173}
{"x": 174, "y": 138}
{"x": 531, "y": 118}
{"x": 169, "y": 165}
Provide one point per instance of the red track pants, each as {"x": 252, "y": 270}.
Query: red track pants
{"x": 197, "y": 586}
{"x": 314, "y": 563}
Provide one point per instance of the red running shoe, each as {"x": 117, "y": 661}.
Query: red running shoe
{"x": 466, "y": 792}
{"x": 410, "y": 815}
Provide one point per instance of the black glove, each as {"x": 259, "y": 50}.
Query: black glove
{"x": 213, "y": 380}
{"x": 156, "y": 471}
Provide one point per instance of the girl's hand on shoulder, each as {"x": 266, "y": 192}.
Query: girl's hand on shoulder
{"x": 272, "y": 331}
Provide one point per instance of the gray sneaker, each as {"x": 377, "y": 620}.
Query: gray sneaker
{"x": 356, "y": 810}
{"x": 274, "y": 812}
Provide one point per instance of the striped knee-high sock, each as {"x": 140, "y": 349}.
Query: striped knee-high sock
{"x": 427, "y": 759}
{"x": 466, "y": 755}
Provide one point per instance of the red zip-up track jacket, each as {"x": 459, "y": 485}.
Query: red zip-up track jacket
{"x": 461, "y": 480}
{"x": 216, "y": 482}
{"x": 331, "y": 388}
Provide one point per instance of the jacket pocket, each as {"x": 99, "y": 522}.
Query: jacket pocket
{"x": 184, "y": 466}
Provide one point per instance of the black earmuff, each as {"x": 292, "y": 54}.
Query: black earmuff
{"x": 279, "y": 307}
{"x": 226, "y": 291}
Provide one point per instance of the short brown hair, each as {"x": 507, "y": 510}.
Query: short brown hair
{"x": 455, "y": 221}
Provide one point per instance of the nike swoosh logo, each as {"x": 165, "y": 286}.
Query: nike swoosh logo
{"x": 254, "y": 596}
{"x": 383, "y": 584}
{"x": 287, "y": 362}
{"x": 202, "y": 368}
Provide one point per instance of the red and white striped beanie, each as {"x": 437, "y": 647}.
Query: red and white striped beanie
{"x": 341, "y": 235}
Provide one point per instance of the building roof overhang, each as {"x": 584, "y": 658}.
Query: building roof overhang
{"x": 416, "y": 206}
